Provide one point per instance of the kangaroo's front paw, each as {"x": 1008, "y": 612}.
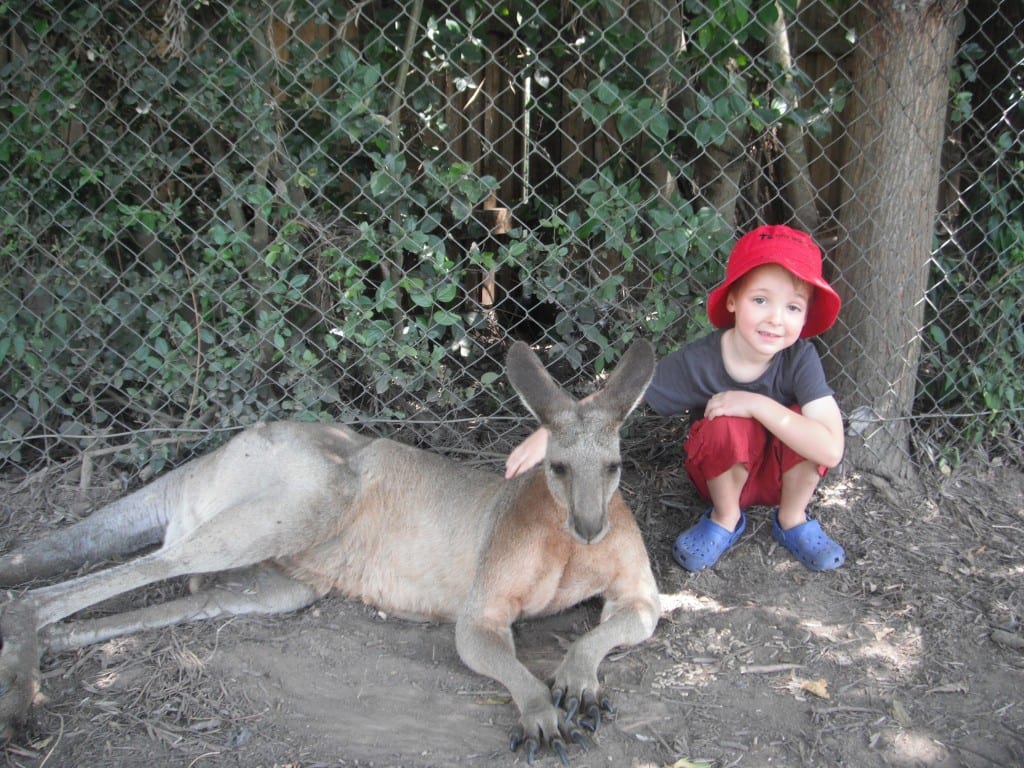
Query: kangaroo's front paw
{"x": 19, "y": 665}
{"x": 576, "y": 689}
{"x": 585, "y": 708}
{"x": 545, "y": 723}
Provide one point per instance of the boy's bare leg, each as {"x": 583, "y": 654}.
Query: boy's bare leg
{"x": 725, "y": 496}
{"x": 798, "y": 485}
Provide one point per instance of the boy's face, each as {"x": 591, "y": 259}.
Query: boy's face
{"x": 770, "y": 306}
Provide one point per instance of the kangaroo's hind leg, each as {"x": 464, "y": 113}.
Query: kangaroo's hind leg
{"x": 260, "y": 589}
{"x": 19, "y": 664}
{"x": 234, "y": 533}
{"x": 122, "y": 528}
{"x": 23, "y": 617}
{"x": 256, "y": 590}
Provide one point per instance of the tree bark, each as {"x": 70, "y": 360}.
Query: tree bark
{"x": 663, "y": 44}
{"x": 795, "y": 183}
{"x": 901, "y": 74}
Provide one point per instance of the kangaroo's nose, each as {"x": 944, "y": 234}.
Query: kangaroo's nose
{"x": 590, "y": 531}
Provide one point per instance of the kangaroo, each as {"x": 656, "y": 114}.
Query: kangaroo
{"x": 313, "y": 508}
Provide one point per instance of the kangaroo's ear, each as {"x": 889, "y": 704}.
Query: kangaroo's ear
{"x": 628, "y": 382}
{"x": 534, "y": 384}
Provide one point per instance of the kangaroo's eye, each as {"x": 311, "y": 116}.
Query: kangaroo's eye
{"x": 558, "y": 469}
{"x": 614, "y": 467}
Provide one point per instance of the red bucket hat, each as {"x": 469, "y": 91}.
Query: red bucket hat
{"x": 791, "y": 249}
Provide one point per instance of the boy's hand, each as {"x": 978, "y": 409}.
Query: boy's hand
{"x": 527, "y": 454}
{"x": 732, "y": 403}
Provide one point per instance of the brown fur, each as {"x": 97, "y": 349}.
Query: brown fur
{"x": 318, "y": 508}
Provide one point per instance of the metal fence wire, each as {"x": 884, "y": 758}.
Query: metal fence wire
{"x": 220, "y": 212}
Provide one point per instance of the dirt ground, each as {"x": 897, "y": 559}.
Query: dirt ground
{"x": 910, "y": 655}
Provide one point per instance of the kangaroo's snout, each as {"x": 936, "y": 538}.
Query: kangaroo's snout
{"x": 586, "y": 501}
{"x": 589, "y": 529}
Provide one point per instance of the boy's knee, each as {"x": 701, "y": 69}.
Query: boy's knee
{"x": 797, "y": 468}
{"x": 715, "y": 446}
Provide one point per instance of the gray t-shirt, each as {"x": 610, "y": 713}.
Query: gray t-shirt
{"x": 686, "y": 379}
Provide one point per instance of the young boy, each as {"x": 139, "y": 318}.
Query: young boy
{"x": 769, "y": 426}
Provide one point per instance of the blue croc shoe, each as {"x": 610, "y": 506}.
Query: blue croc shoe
{"x": 700, "y": 547}
{"x": 809, "y": 544}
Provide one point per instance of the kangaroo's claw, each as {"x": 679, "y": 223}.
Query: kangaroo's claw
{"x": 556, "y": 696}
{"x": 531, "y": 738}
{"x": 558, "y": 745}
{"x": 593, "y": 719}
{"x": 531, "y": 750}
{"x": 578, "y": 738}
{"x": 571, "y": 708}
{"x": 590, "y": 711}
{"x": 516, "y": 738}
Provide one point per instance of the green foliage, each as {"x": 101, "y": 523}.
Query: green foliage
{"x": 624, "y": 264}
{"x": 131, "y": 297}
{"x": 962, "y": 77}
{"x": 403, "y": 323}
{"x": 170, "y": 265}
{"x": 205, "y": 231}
{"x": 975, "y": 338}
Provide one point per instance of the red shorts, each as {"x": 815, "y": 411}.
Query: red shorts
{"x": 715, "y": 446}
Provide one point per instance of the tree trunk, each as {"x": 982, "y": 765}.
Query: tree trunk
{"x": 901, "y": 74}
{"x": 663, "y": 43}
{"x": 795, "y": 181}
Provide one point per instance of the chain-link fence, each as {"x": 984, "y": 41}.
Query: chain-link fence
{"x": 218, "y": 212}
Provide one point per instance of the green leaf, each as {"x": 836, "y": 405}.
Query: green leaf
{"x": 445, "y": 318}
{"x": 658, "y": 126}
{"x": 629, "y": 126}
{"x": 446, "y": 292}
{"x": 607, "y": 93}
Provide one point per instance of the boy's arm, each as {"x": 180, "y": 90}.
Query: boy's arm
{"x": 816, "y": 433}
